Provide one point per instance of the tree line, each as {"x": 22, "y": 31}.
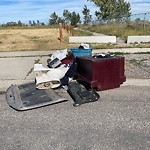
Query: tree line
{"x": 108, "y": 11}
{"x": 20, "y": 24}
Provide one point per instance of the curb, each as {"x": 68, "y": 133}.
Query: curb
{"x": 137, "y": 82}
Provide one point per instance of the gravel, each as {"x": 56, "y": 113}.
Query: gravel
{"x": 137, "y": 66}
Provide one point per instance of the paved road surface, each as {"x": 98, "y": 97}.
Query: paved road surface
{"x": 118, "y": 121}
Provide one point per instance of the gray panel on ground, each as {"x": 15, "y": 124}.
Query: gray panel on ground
{"x": 26, "y": 96}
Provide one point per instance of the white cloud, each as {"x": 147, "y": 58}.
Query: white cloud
{"x": 25, "y": 10}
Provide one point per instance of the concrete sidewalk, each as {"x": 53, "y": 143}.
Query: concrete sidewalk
{"x": 17, "y": 67}
{"x": 123, "y": 50}
{"x": 47, "y": 52}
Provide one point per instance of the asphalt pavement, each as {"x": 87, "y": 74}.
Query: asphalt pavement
{"x": 119, "y": 120}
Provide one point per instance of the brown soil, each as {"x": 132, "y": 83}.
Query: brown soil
{"x": 32, "y": 39}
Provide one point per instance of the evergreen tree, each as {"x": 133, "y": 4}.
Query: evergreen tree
{"x": 60, "y": 20}
{"x": 75, "y": 19}
{"x": 86, "y": 13}
{"x": 67, "y": 16}
{"x": 53, "y": 19}
{"x": 19, "y": 23}
{"x": 38, "y": 22}
{"x": 30, "y": 23}
{"x": 34, "y": 24}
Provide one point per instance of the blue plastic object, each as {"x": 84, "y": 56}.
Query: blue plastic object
{"x": 81, "y": 52}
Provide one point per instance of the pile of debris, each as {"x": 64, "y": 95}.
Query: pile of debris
{"x": 78, "y": 71}
{"x": 61, "y": 72}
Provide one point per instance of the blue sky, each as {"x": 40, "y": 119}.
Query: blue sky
{"x": 25, "y": 10}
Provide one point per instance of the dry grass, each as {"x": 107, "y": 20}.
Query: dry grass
{"x": 32, "y": 39}
{"x": 118, "y": 30}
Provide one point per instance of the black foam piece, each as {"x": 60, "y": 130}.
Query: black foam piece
{"x": 81, "y": 95}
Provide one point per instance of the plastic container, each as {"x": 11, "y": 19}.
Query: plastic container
{"x": 101, "y": 73}
{"x": 81, "y": 51}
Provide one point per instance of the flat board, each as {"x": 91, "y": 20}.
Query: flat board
{"x": 26, "y": 96}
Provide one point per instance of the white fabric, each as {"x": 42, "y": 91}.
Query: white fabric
{"x": 49, "y": 78}
{"x": 60, "y": 54}
{"x": 39, "y": 67}
{"x": 44, "y": 82}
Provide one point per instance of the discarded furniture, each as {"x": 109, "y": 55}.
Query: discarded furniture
{"x": 101, "y": 73}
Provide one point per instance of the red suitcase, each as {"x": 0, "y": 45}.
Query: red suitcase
{"x": 101, "y": 73}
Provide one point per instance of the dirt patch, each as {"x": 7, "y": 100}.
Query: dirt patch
{"x": 32, "y": 39}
